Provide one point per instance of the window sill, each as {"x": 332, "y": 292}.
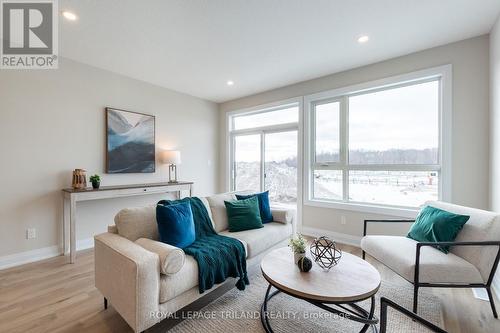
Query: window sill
{"x": 365, "y": 208}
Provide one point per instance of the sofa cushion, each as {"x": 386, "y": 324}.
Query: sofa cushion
{"x": 259, "y": 240}
{"x": 171, "y": 258}
{"x": 173, "y": 285}
{"x": 243, "y": 214}
{"x": 264, "y": 205}
{"x": 219, "y": 215}
{"x": 209, "y": 211}
{"x": 135, "y": 223}
{"x": 398, "y": 253}
{"x": 175, "y": 223}
{"x": 482, "y": 226}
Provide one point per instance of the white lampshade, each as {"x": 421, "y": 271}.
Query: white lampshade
{"x": 170, "y": 157}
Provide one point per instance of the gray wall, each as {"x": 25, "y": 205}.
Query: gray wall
{"x": 52, "y": 121}
{"x": 470, "y": 60}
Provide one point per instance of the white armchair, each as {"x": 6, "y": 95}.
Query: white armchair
{"x": 471, "y": 262}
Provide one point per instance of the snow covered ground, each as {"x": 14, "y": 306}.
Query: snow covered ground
{"x": 400, "y": 188}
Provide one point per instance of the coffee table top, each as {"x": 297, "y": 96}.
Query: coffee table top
{"x": 352, "y": 280}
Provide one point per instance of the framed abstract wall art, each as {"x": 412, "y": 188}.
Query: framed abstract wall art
{"x": 130, "y": 142}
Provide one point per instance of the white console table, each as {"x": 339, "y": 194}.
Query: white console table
{"x": 72, "y": 196}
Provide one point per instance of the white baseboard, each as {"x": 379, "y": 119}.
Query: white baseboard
{"x": 30, "y": 256}
{"x": 84, "y": 244}
{"x": 336, "y": 236}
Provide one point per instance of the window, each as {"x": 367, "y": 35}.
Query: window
{"x": 261, "y": 119}
{"x": 378, "y": 146}
{"x": 264, "y": 148}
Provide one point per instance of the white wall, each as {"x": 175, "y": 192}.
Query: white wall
{"x": 52, "y": 121}
{"x": 495, "y": 117}
{"x": 470, "y": 60}
{"x": 495, "y": 128}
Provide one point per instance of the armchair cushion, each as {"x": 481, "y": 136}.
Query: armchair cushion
{"x": 171, "y": 258}
{"x": 437, "y": 225}
{"x": 398, "y": 253}
{"x": 482, "y": 226}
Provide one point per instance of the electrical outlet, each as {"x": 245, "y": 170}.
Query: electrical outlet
{"x": 30, "y": 233}
{"x": 342, "y": 220}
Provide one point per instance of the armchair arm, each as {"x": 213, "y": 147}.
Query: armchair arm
{"x": 385, "y": 303}
{"x": 467, "y": 243}
{"x": 384, "y": 221}
{"x": 129, "y": 277}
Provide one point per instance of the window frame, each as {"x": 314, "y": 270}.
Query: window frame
{"x": 231, "y": 133}
{"x": 441, "y": 73}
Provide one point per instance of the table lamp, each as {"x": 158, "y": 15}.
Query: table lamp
{"x": 172, "y": 158}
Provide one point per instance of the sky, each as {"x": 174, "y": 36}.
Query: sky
{"x": 400, "y": 118}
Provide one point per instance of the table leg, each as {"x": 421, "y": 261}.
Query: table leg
{"x": 264, "y": 316}
{"x": 72, "y": 231}
{"x": 64, "y": 227}
{"x": 352, "y": 312}
{"x": 370, "y": 317}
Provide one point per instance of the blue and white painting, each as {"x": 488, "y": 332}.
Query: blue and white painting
{"x": 130, "y": 142}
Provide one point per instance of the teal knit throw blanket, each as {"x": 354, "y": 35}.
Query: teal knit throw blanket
{"x": 218, "y": 257}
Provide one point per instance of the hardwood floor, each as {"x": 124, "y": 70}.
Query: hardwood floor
{"x": 54, "y": 296}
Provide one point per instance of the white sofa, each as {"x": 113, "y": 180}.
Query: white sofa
{"x": 142, "y": 277}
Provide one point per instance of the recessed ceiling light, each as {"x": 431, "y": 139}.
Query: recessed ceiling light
{"x": 363, "y": 39}
{"x": 69, "y": 16}
{"x": 230, "y": 83}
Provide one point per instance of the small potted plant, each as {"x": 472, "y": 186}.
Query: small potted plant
{"x": 96, "y": 181}
{"x": 298, "y": 245}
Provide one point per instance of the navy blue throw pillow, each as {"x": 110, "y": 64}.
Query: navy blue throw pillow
{"x": 176, "y": 224}
{"x": 264, "y": 206}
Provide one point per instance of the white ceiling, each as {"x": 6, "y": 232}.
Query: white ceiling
{"x": 195, "y": 46}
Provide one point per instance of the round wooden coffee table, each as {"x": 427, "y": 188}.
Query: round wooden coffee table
{"x": 351, "y": 281}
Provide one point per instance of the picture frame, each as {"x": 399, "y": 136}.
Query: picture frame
{"x": 130, "y": 142}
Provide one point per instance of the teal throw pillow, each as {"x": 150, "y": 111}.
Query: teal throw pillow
{"x": 264, "y": 205}
{"x": 437, "y": 225}
{"x": 243, "y": 214}
{"x": 176, "y": 224}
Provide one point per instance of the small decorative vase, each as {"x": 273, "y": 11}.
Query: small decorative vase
{"x": 79, "y": 179}
{"x": 297, "y": 256}
{"x": 95, "y": 185}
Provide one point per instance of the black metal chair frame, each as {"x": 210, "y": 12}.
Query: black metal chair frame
{"x": 385, "y": 303}
{"x": 417, "y": 284}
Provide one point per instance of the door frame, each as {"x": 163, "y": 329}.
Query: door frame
{"x": 262, "y": 133}
{"x": 299, "y": 126}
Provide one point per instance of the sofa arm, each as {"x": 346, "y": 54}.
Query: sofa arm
{"x": 282, "y": 215}
{"x": 129, "y": 277}
{"x": 171, "y": 258}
